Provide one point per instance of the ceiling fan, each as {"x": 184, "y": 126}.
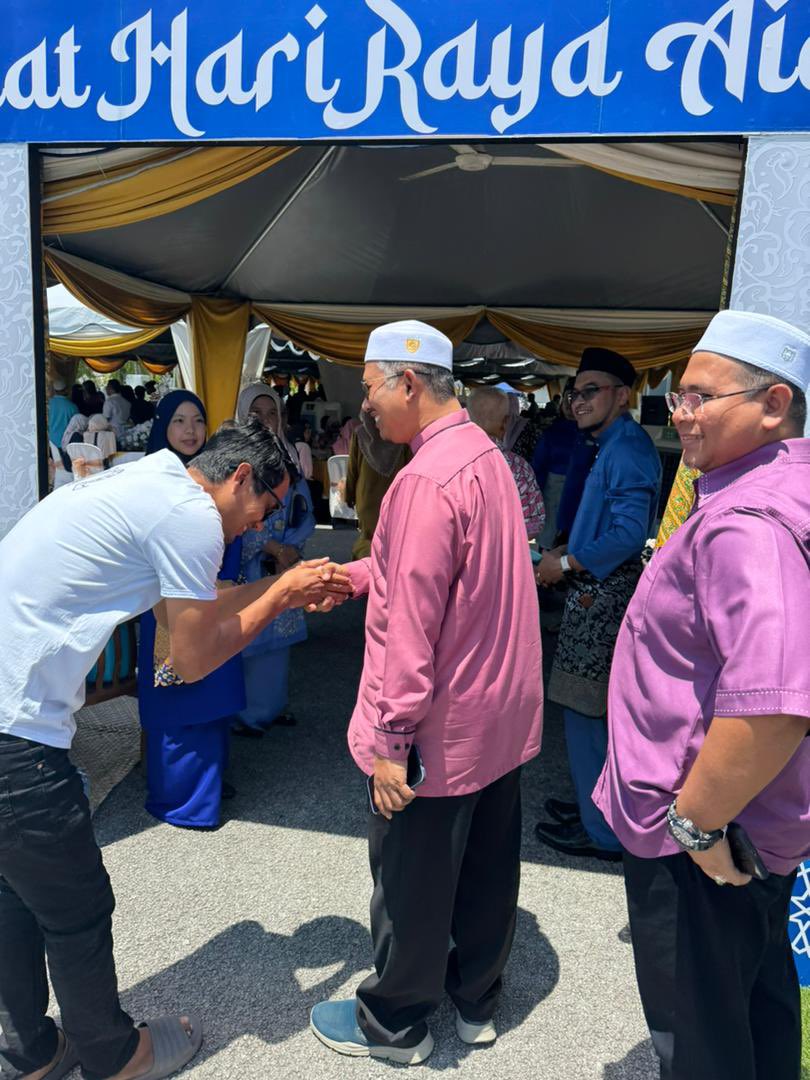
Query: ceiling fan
{"x": 468, "y": 159}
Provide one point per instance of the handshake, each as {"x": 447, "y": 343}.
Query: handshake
{"x": 315, "y": 585}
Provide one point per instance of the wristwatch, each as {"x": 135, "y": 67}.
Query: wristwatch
{"x": 565, "y": 565}
{"x": 686, "y": 833}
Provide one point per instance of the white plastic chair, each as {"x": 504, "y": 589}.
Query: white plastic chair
{"x": 338, "y": 467}
{"x": 60, "y": 474}
{"x": 87, "y": 459}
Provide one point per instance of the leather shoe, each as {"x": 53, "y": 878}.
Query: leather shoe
{"x": 571, "y": 839}
{"x": 561, "y": 810}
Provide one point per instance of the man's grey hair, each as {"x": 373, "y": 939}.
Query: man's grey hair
{"x": 438, "y": 381}
{"x": 751, "y": 376}
{"x": 488, "y": 408}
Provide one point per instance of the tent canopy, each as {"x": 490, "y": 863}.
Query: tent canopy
{"x": 342, "y": 225}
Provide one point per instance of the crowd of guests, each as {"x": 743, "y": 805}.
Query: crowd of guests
{"x": 683, "y": 683}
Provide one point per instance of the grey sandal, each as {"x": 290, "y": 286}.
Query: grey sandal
{"x": 172, "y": 1046}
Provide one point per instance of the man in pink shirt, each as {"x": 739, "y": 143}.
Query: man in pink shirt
{"x": 709, "y": 709}
{"x": 451, "y": 688}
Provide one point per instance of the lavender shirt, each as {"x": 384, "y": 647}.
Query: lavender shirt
{"x": 719, "y": 626}
{"x": 452, "y": 658}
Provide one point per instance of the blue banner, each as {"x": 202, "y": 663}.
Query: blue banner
{"x": 80, "y": 70}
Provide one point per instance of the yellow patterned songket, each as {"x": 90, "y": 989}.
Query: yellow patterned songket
{"x": 679, "y": 503}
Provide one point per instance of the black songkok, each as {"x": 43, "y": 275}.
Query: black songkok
{"x": 595, "y": 358}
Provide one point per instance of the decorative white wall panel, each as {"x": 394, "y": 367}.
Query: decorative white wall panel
{"x": 772, "y": 265}
{"x": 18, "y": 422}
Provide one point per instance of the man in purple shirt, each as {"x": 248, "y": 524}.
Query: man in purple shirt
{"x": 451, "y": 678}
{"x": 709, "y": 709}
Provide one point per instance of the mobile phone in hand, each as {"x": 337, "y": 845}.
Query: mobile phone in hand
{"x": 416, "y": 776}
{"x": 743, "y": 853}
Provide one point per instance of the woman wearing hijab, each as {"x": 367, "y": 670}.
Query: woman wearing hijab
{"x": 187, "y": 725}
{"x": 373, "y": 464}
{"x": 270, "y": 550}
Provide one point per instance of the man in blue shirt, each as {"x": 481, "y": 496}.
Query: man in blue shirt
{"x": 602, "y": 564}
{"x": 60, "y": 410}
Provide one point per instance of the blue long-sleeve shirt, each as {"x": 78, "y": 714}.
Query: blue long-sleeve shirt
{"x": 619, "y": 503}
{"x": 553, "y": 450}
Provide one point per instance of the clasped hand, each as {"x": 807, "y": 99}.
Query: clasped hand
{"x": 391, "y": 791}
{"x": 317, "y": 585}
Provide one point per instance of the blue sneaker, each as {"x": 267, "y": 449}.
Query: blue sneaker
{"x": 335, "y": 1024}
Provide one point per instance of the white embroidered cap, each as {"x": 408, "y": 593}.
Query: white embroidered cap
{"x": 410, "y": 341}
{"x": 760, "y": 340}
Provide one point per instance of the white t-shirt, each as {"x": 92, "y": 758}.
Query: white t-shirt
{"x": 91, "y": 555}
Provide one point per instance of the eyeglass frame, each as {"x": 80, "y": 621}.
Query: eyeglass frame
{"x": 591, "y": 391}
{"x": 279, "y": 504}
{"x": 675, "y": 398}
{"x": 368, "y": 388}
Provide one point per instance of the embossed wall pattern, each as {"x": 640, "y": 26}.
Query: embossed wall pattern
{"x": 18, "y": 432}
{"x": 772, "y": 267}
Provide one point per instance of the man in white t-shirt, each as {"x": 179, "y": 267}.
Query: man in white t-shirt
{"x": 90, "y": 556}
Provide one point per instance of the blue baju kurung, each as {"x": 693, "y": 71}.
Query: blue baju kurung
{"x": 188, "y": 728}
{"x": 267, "y": 658}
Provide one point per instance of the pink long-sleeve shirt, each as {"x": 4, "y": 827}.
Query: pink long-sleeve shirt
{"x": 452, "y": 659}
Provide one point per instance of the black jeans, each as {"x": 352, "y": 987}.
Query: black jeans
{"x": 55, "y": 898}
{"x": 715, "y": 971}
{"x": 441, "y": 867}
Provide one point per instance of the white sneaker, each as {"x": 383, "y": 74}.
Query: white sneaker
{"x": 475, "y": 1034}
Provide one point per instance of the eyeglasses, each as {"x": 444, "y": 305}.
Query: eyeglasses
{"x": 368, "y": 387}
{"x": 691, "y": 403}
{"x": 587, "y": 393}
{"x": 266, "y": 486}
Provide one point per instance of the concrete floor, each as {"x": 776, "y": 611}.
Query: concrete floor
{"x": 254, "y": 923}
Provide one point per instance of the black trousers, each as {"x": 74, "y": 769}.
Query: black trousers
{"x": 715, "y": 971}
{"x": 55, "y": 898}
{"x": 442, "y": 867}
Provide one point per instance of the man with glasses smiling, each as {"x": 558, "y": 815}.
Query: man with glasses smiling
{"x": 602, "y": 564}
{"x": 709, "y": 708}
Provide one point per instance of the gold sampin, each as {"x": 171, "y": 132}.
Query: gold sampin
{"x": 412, "y": 344}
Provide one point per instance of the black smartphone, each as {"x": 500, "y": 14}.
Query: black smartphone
{"x": 416, "y": 776}
{"x": 743, "y": 853}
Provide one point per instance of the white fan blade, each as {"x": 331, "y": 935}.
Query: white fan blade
{"x": 429, "y": 172}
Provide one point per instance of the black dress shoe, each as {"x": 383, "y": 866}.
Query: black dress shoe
{"x": 561, "y": 810}
{"x": 228, "y": 790}
{"x": 286, "y": 719}
{"x": 571, "y": 839}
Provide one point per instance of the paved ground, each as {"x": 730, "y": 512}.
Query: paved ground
{"x": 254, "y": 923}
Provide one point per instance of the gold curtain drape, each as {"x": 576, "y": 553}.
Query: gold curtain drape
{"x": 721, "y": 198}
{"x": 344, "y": 342}
{"x": 644, "y": 349}
{"x": 156, "y": 369}
{"x": 132, "y": 193}
{"x": 218, "y": 331}
{"x": 116, "y": 295}
{"x": 102, "y": 346}
{"x": 103, "y": 367}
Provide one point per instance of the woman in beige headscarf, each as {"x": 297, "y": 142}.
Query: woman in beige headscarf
{"x": 269, "y": 550}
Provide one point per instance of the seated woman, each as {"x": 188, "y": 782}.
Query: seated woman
{"x": 187, "y": 725}
{"x": 272, "y": 549}
{"x": 74, "y": 433}
{"x": 100, "y": 433}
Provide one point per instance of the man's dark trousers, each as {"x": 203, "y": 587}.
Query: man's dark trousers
{"x": 715, "y": 971}
{"x": 442, "y": 867}
{"x": 55, "y": 897}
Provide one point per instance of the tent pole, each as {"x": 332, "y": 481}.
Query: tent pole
{"x": 316, "y": 168}
{"x": 721, "y": 225}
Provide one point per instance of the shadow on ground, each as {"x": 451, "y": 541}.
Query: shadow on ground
{"x": 270, "y": 991}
